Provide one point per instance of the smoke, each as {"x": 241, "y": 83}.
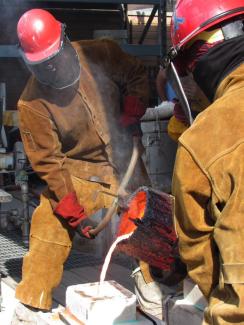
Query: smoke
{"x": 111, "y": 98}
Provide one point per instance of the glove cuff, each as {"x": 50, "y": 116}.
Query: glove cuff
{"x": 70, "y": 209}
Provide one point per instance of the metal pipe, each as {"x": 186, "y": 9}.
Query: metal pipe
{"x": 4, "y": 141}
{"x": 162, "y": 25}
{"x": 112, "y": 210}
{"x": 26, "y": 218}
{"x": 148, "y": 24}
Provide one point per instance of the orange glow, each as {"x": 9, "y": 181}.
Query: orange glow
{"x": 136, "y": 210}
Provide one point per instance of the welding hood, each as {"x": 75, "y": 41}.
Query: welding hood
{"x": 60, "y": 70}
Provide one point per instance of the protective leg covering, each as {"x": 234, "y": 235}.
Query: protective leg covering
{"x": 50, "y": 245}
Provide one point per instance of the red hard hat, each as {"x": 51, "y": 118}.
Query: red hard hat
{"x": 39, "y": 35}
{"x": 191, "y": 17}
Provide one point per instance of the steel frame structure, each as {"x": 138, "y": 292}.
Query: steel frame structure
{"x": 11, "y": 51}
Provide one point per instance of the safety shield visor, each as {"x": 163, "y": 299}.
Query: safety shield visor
{"x": 59, "y": 71}
{"x": 174, "y": 79}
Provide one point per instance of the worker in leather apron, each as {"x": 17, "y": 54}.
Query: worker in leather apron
{"x": 78, "y": 115}
{"x": 208, "y": 181}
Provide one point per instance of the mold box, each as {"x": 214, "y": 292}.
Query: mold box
{"x": 108, "y": 304}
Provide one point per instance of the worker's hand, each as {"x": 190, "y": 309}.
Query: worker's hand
{"x": 83, "y": 229}
{"x": 73, "y": 213}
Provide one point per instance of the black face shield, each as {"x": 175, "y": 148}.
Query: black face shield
{"x": 60, "y": 70}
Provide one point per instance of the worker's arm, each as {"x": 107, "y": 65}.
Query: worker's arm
{"x": 43, "y": 148}
{"x": 130, "y": 74}
{"x": 44, "y": 151}
{"x": 127, "y": 72}
{"x": 194, "y": 225}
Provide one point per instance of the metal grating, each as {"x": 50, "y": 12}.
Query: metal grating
{"x": 12, "y": 251}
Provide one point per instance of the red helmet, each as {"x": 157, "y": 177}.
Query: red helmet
{"x": 191, "y": 17}
{"x": 39, "y": 35}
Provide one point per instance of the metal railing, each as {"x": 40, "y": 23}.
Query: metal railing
{"x": 170, "y": 4}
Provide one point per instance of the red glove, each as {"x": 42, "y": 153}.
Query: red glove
{"x": 70, "y": 210}
{"x": 133, "y": 110}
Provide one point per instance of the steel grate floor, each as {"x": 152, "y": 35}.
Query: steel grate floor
{"x": 12, "y": 251}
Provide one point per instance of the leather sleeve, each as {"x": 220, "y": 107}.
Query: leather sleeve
{"x": 194, "y": 225}
{"x": 44, "y": 150}
{"x": 128, "y": 72}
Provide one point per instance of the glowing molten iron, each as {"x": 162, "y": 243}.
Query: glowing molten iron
{"x": 150, "y": 220}
{"x": 136, "y": 210}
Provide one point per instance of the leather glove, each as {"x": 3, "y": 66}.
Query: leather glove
{"x": 133, "y": 110}
{"x": 70, "y": 210}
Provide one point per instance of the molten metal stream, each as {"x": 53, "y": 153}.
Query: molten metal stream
{"x": 107, "y": 260}
{"x": 126, "y": 229}
{"x": 136, "y": 210}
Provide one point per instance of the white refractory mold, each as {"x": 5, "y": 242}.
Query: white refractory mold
{"x": 107, "y": 304}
